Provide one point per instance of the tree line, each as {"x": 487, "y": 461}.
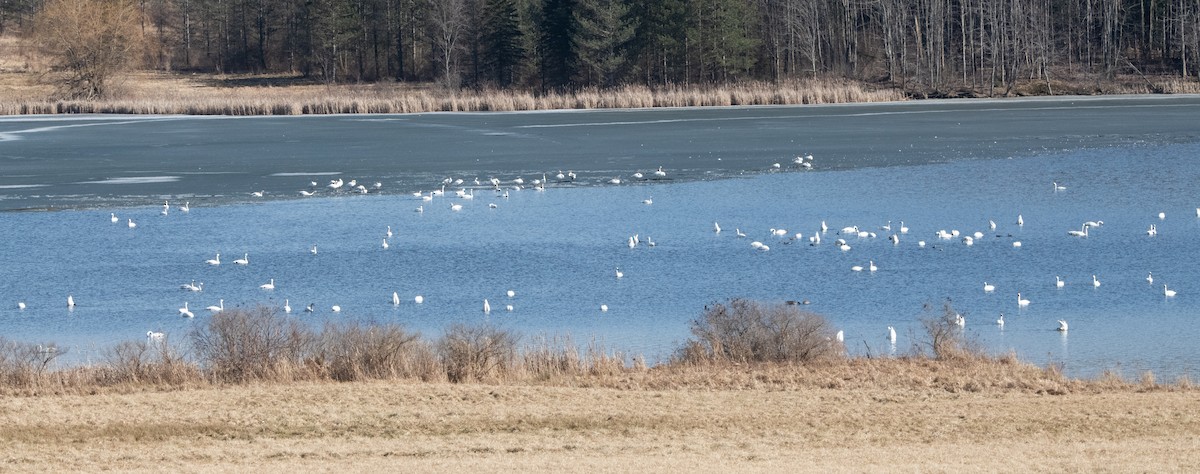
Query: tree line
{"x": 931, "y": 45}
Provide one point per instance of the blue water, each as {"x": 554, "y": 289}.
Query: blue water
{"x": 558, "y": 250}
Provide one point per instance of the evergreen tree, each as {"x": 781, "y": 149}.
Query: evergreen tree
{"x": 604, "y": 32}
{"x": 502, "y": 41}
{"x": 556, "y": 38}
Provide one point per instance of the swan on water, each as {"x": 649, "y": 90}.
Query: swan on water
{"x": 154, "y": 336}
{"x": 336, "y": 308}
{"x": 215, "y": 260}
{"x": 1062, "y": 325}
{"x": 245, "y": 260}
{"x": 1020, "y": 220}
{"x": 511, "y": 293}
{"x": 185, "y": 312}
{"x": 269, "y": 285}
{"x": 604, "y": 308}
{"x": 1058, "y": 282}
{"x": 132, "y": 224}
{"x": 891, "y": 334}
{"x": 840, "y": 336}
{"x": 1022, "y": 302}
{"x": 217, "y": 308}
{"x": 1095, "y": 282}
{"x": 716, "y": 227}
{"x": 620, "y": 274}
{"x": 487, "y": 308}
{"x": 419, "y": 299}
{"x": 1166, "y": 292}
{"x": 114, "y": 218}
{"x": 287, "y": 306}
{"x": 395, "y": 299}
{"x": 1000, "y": 322}
{"x": 988, "y": 288}
{"x": 1150, "y": 278}
{"x": 70, "y": 301}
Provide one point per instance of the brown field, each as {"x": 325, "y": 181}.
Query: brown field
{"x": 861, "y": 415}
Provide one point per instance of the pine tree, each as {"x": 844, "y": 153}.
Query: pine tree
{"x": 555, "y": 41}
{"x": 604, "y": 32}
{"x": 502, "y": 41}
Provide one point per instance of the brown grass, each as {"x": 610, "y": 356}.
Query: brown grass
{"x": 439, "y": 426}
{"x": 162, "y": 93}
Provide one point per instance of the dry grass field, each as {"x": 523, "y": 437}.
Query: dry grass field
{"x": 735, "y": 419}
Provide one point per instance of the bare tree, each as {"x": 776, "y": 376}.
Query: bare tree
{"x": 447, "y": 18}
{"x": 89, "y": 42}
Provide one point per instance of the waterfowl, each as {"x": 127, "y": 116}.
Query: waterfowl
{"x": 1022, "y": 302}
{"x": 1166, "y": 292}
{"x": 269, "y": 285}
{"x": 988, "y": 288}
{"x": 215, "y": 260}
{"x": 217, "y": 308}
{"x": 245, "y": 260}
{"x": 1062, "y": 325}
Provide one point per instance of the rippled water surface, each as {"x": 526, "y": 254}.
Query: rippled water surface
{"x": 934, "y": 165}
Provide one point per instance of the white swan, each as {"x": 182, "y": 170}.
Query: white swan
{"x": 1062, "y": 325}
{"x": 660, "y": 173}
{"x": 154, "y": 336}
{"x": 871, "y": 266}
{"x": 487, "y": 308}
{"x": 395, "y": 299}
{"x": 1093, "y": 223}
{"x": 70, "y": 301}
{"x": 217, "y": 308}
{"x": 21, "y": 305}
{"x": 389, "y": 231}
{"x": 419, "y": 299}
{"x": 508, "y": 307}
{"x": 385, "y": 244}
{"x": 456, "y": 207}
{"x": 257, "y": 194}
{"x": 987, "y": 288}
{"x": 113, "y": 218}
{"x": 1150, "y": 278}
{"x": 1000, "y": 322}
{"x": 620, "y": 274}
{"x": 313, "y": 250}
{"x": 903, "y": 228}
{"x": 1020, "y": 220}
{"x": 738, "y": 232}
{"x": 1162, "y": 215}
{"x": 245, "y": 260}
{"x": 991, "y": 224}
{"x": 1017, "y": 244}
{"x": 1079, "y": 233}
{"x": 856, "y": 268}
{"x": 716, "y": 227}
{"x": 1095, "y": 282}
{"x": 648, "y": 201}
{"x": 824, "y": 227}
{"x": 306, "y": 193}
{"x": 269, "y": 285}
{"x": 185, "y": 312}
{"x": 892, "y": 334}
{"x": 1153, "y": 231}
{"x": 840, "y": 336}
{"x": 132, "y": 224}
{"x": 1058, "y": 282}
{"x": 215, "y": 260}
{"x": 1166, "y": 292}
{"x": 186, "y": 207}
{"x": 604, "y": 308}
{"x": 1022, "y": 302}
{"x": 336, "y": 308}
{"x": 287, "y": 306}
{"x": 1059, "y": 187}
{"x": 959, "y": 320}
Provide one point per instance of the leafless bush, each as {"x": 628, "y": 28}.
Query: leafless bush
{"x": 476, "y": 352}
{"x": 944, "y": 337}
{"x": 354, "y": 351}
{"x": 247, "y": 345}
{"x": 749, "y": 331}
{"x": 25, "y": 365}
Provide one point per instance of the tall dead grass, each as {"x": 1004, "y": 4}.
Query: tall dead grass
{"x": 181, "y": 96}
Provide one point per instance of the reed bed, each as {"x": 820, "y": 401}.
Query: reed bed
{"x": 150, "y": 94}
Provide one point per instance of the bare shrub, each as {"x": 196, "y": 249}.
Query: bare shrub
{"x": 944, "y": 338}
{"x": 748, "y": 331}
{"x": 353, "y": 351}
{"x": 25, "y": 365}
{"x": 477, "y": 352}
{"x": 246, "y": 345}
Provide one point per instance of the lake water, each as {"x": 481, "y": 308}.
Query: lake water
{"x": 933, "y": 165}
